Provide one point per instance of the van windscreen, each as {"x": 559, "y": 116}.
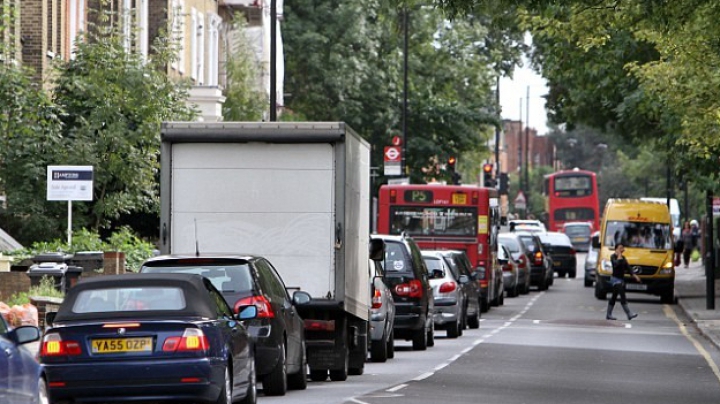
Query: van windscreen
{"x": 638, "y": 235}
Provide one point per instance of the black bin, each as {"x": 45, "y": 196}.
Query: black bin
{"x": 54, "y": 270}
{"x": 88, "y": 260}
{"x": 59, "y": 257}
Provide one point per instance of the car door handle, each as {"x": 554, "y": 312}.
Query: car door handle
{"x": 8, "y": 352}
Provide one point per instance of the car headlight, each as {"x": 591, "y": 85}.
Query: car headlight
{"x": 667, "y": 269}
{"x": 606, "y": 266}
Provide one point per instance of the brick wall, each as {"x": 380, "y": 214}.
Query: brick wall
{"x": 31, "y": 28}
{"x": 13, "y": 282}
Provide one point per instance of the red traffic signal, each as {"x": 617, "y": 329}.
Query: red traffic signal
{"x": 451, "y": 161}
{"x": 487, "y": 168}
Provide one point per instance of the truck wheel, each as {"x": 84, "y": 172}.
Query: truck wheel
{"x": 391, "y": 345}
{"x": 419, "y": 340}
{"x": 340, "y": 375}
{"x": 318, "y": 375}
{"x": 379, "y": 350}
{"x": 275, "y": 383}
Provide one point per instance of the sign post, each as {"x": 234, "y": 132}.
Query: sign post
{"x": 393, "y": 158}
{"x": 69, "y": 183}
{"x": 520, "y": 201}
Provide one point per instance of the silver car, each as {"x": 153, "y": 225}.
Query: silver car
{"x": 450, "y": 300}
{"x": 382, "y": 316}
{"x": 591, "y": 261}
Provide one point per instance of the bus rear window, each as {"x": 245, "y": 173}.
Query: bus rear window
{"x": 576, "y": 185}
{"x": 433, "y": 221}
{"x": 574, "y": 214}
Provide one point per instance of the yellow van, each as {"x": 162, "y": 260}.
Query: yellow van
{"x": 645, "y": 229}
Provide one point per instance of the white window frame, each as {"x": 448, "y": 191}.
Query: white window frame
{"x": 76, "y": 24}
{"x": 178, "y": 26}
{"x": 197, "y": 46}
{"x": 143, "y": 9}
{"x": 127, "y": 24}
{"x": 214, "y": 23}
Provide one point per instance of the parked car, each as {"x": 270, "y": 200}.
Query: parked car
{"x": 541, "y": 272}
{"x": 561, "y": 252}
{"x": 450, "y": 298}
{"x": 519, "y": 255}
{"x": 591, "y": 261}
{"x": 459, "y": 262}
{"x": 382, "y": 316}
{"x": 21, "y": 376}
{"x": 278, "y": 332}
{"x": 514, "y": 279}
{"x": 407, "y": 277}
{"x": 579, "y": 233}
{"x": 148, "y": 336}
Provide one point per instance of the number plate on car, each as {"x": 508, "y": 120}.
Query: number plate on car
{"x": 116, "y": 345}
{"x": 635, "y": 286}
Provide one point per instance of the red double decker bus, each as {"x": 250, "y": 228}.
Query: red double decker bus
{"x": 571, "y": 196}
{"x": 443, "y": 217}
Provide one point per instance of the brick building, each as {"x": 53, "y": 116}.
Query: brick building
{"x": 514, "y": 150}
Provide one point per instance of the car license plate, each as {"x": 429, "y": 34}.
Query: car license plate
{"x": 578, "y": 239}
{"x": 557, "y": 263}
{"x": 635, "y": 286}
{"x": 116, "y": 345}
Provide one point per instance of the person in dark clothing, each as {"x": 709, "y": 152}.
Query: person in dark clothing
{"x": 620, "y": 267}
{"x": 687, "y": 238}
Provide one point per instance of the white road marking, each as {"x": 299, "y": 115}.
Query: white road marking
{"x": 423, "y": 376}
{"x": 396, "y": 388}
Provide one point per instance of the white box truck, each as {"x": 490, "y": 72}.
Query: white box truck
{"x": 295, "y": 193}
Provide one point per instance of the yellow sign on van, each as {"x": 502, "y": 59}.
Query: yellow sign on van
{"x": 482, "y": 224}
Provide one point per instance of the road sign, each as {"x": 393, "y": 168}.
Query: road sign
{"x": 396, "y": 141}
{"x": 393, "y": 154}
{"x": 520, "y": 201}
{"x": 716, "y": 206}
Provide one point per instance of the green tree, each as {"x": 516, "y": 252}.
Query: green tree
{"x": 244, "y": 100}
{"x": 114, "y": 102}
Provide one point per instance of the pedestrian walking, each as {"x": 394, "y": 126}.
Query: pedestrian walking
{"x": 686, "y": 235}
{"x": 620, "y": 267}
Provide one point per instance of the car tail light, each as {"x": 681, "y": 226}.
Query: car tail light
{"x": 538, "y": 258}
{"x": 54, "y": 345}
{"x": 522, "y": 262}
{"x": 319, "y": 325}
{"x": 264, "y": 309}
{"x": 413, "y": 289}
{"x": 483, "y": 283}
{"x": 448, "y": 287}
{"x": 377, "y": 299}
{"x": 193, "y": 339}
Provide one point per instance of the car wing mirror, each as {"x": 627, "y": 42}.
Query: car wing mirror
{"x": 464, "y": 279}
{"x": 25, "y": 334}
{"x": 596, "y": 242}
{"x": 247, "y": 312}
{"x": 377, "y": 249}
{"x": 301, "y": 297}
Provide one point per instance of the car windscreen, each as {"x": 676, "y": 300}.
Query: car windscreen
{"x": 529, "y": 243}
{"x": 227, "y": 278}
{"x": 114, "y": 300}
{"x": 433, "y": 221}
{"x": 555, "y": 239}
{"x": 511, "y": 244}
{"x": 638, "y": 235}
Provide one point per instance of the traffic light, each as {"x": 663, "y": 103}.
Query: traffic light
{"x": 488, "y": 181}
{"x": 454, "y": 175}
{"x": 504, "y": 184}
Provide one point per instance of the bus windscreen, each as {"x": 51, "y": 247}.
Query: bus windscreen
{"x": 433, "y": 221}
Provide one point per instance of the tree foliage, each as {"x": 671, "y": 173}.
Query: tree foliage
{"x": 113, "y": 102}
{"x": 345, "y": 62}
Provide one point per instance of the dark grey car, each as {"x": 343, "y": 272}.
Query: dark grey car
{"x": 382, "y": 316}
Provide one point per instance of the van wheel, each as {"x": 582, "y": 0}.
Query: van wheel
{"x": 588, "y": 284}
{"x": 599, "y": 293}
{"x": 668, "y": 297}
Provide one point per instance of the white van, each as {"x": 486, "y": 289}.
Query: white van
{"x": 674, "y": 213}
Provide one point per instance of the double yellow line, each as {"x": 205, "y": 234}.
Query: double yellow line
{"x": 670, "y": 313}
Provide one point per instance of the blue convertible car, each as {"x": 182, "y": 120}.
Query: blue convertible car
{"x": 164, "y": 337}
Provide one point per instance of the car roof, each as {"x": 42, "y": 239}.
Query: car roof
{"x": 203, "y": 256}
{"x": 198, "y": 301}
{"x": 555, "y": 238}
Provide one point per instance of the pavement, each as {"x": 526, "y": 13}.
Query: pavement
{"x": 691, "y": 293}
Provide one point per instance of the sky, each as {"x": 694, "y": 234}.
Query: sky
{"x": 513, "y": 92}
